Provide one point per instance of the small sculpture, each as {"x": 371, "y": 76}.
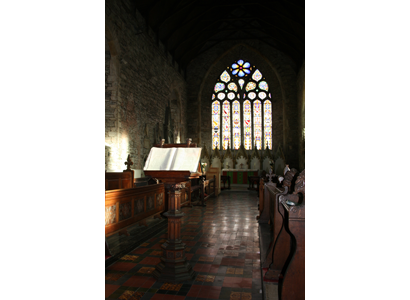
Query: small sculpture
{"x": 270, "y": 176}
{"x": 128, "y": 163}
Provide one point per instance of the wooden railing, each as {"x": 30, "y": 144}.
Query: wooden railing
{"x": 125, "y": 207}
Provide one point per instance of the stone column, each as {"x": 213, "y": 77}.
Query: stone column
{"x": 174, "y": 266}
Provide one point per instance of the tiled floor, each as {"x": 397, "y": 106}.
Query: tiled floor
{"x": 222, "y": 246}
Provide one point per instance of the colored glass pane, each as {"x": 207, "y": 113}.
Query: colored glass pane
{"x": 213, "y": 96}
{"x": 257, "y": 75}
{"x": 264, "y": 85}
{"x": 219, "y": 87}
{"x": 247, "y": 126}
{"x": 241, "y": 82}
{"x": 252, "y": 95}
{"x": 267, "y": 125}
{"x": 270, "y": 96}
{"x": 236, "y": 123}
{"x": 232, "y": 86}
{"x": 231, "y": 96}
{"x": 250, "y": 86}
{"x": 225, "y": 76}
{"x": 257, "y": 123}
{"x": 262, "y": 95}
{"x": 226, "y": 126}
{"x": 215, "y": 124}
{"x": 241, "y": 68}
{"x": 221, "y": 96}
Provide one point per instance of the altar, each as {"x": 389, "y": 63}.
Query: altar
{"x": 239, "y": 176}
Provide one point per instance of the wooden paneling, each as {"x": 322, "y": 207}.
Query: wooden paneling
{"x": 119, "y": 180}
{"x": 132, "y": 205}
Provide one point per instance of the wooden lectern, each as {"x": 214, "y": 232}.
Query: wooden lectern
{"x": 174, "y": 266}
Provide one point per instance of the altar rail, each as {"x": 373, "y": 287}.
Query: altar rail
{"x": 125, "y": 207}
{"x": 239, "y": 176}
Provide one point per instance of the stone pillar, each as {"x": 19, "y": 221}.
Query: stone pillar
{"x": 174, "y": 266}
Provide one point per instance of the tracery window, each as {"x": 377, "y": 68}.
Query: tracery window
{"x": 242, "y": 94}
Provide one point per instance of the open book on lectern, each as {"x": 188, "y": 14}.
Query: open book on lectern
{"x": 173, "y": 159}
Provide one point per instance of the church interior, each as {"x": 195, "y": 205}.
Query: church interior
{"x": 229, "y": 78}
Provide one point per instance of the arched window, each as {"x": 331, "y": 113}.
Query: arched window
{"x": 241, "y": 108}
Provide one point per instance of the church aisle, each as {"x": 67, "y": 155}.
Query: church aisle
{"x": 222, "y": 246}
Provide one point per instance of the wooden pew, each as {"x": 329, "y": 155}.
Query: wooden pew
{"x": 125, "y": 207}
{"x": 276, "y": 213}
{"x": 292, "y": 277}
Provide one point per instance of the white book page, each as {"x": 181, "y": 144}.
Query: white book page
{"x": 186, "y": 159}
{"x": 160, "y": 159}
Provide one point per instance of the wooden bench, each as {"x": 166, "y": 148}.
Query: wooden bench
{"x": 272, "y": 213}
{"x": 288, "y": 266}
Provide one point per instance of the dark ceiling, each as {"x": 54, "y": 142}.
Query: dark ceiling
{"x": 188, "y": 28}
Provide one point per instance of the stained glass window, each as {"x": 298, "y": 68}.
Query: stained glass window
{"x": 257, "y": 123}
{"x": 232, "y": 86}
{"x": 263, "y": 85}
{"x": 215, "y": 124}
{"x": 225, "y": 76}
{"x": 252, "y": 95}
{"x": 243, "y": 85}
{"x": 262, "y": 95}
{"x": 247, "y": 126}
{"x": 267, "y": 125}
{"x": 241, "y": 68}
{"x": 231, "y": 96}
{"x": 236, "y": 121}
{"x": 221, "y": 96}
{"x": 219, "y": 87}
{"x": 241, "y": 82}
{"x": 226, "y": 125}
{"x": 250, "y": 86}
{"x": 257, "y": 75}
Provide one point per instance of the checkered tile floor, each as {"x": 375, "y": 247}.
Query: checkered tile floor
{"x": 222, "y": 246}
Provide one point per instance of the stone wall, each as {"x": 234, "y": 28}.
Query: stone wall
{"x": 280, "y": 73}
{"x": 301, "y": 110}
{"x": 141, "y": 80}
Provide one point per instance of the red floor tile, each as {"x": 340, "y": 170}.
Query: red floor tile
{"x": 157, "y": 246}
{"x": 147, "y": 284}
{"x": 211, "y": 292}
{"x": 140, "y": 251}
{"x": 122, "y": 266}
{"x": 150, "y": 261}
{"x": 110, "y": 288}
{"x": 135, "y": 281}
{"x": 195, "y": 289}
{"x": 214, "y": 269}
